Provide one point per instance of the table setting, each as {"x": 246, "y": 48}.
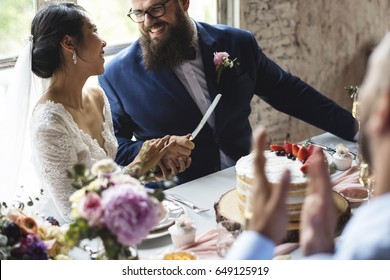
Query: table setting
{"x": 205, "y": 192}
{"x": 190, "y": 226}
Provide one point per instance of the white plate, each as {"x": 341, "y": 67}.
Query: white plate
{"x": 173, "y": 212}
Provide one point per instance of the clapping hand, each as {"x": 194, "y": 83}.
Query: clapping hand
{"x": 318, "y": 218}
{"x": 269, "y": 201}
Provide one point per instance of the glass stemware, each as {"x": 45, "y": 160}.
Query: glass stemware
{"x": 248, "y": 213}
{"x": 366, "y": 179}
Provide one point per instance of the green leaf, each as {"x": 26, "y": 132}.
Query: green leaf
{"x": 351, "y": 90}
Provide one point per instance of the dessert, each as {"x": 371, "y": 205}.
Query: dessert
{"x": 180, "y": 256}
{"x": 182, "y": 232}
{"x": 342, "y": 158}
{"x": 275, "y": 165}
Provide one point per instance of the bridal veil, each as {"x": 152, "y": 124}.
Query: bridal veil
{"x": 16, "y": 170}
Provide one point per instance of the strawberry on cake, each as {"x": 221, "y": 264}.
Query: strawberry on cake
{"x": 289, "y": 156}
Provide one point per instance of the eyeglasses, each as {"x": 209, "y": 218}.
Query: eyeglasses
{"x": 154, "y": 11}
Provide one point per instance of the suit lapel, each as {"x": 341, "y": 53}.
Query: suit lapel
{"x": 208, "y": 47}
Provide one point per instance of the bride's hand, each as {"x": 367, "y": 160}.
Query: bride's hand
{"x": 149, "y": 155}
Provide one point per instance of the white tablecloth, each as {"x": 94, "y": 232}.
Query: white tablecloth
{"x": 204, "y": 192}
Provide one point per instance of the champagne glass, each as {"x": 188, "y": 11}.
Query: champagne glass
{"x": 355, "y": 106}
{"x": 248, "y": 212}
{"x": 365, "y": 179}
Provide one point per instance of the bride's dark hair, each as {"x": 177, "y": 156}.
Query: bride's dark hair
{"x": 49, "y": 26}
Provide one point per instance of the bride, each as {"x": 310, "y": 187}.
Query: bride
{"x": 71, "y": 123}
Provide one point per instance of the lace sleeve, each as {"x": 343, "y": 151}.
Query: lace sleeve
{"x": 54, "y": 152}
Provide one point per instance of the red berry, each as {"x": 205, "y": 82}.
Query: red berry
{"x": 303, "y": 154}
{"x": 276, "y": 147}
{"x": 295, "y": 150}
{"x": 310, "y": 149}
{"x": 287, "y": 147}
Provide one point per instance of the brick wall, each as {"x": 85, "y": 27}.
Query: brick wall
{"x": 324, "y": 42}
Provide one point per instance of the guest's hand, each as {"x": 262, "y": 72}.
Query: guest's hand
{"x": 177, "y": 158}
{"x": 269, "y": 201}
{"x": 318, "y": 218}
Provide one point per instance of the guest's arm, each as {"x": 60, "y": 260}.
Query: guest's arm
{"x": 268, "y": 225}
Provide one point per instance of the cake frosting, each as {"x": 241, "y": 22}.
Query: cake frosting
{"x": 274, "y": 168}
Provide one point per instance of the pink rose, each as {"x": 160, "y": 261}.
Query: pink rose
{"x": 91, "y": 209}
{"x": 219, "y": 57}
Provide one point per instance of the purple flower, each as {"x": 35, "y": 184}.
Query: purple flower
{"x": 30, "y": 247}
{"x": 129, "y": 213}
{"x": 90, "y": 208}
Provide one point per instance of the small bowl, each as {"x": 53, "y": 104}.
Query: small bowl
{"x": 342, "y": 163}
{"x": 355, "y": 195}
{"x": 180, "y": 256}
{"x": 181, "y": 237}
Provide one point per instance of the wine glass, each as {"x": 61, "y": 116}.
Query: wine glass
{"x": 248, "y": 212}
{"x": 365, "y": 179}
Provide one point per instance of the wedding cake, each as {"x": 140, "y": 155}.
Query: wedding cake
{"x": 275, "y": 165}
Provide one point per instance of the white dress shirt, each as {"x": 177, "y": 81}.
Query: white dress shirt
{"x": 191, "y": 74}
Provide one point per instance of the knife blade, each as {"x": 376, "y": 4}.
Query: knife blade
{"x": 325, "y": 148}
{"x": 205, "y": 117}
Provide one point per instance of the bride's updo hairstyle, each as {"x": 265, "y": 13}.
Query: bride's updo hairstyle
{"x": 49, "y": 26}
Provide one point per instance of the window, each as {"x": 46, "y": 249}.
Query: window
{"x": 118, "y": 30}
{"x": 110, "y": 16}
{"x": 113, "y": 24}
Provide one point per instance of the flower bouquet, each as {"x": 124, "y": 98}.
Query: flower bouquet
{"x": 26, "y": 237}
{"x": 113, "y": 207}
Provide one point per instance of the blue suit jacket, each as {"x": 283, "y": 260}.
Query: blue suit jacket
{"x": 153, "y": 104}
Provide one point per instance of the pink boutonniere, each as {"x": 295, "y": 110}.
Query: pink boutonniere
{"x": 222, "y": 61}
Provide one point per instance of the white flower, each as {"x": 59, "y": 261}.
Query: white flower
{"x": 342, "y": 151}
{"x": 104, "y": 166}
{"x": 184, "y": 222}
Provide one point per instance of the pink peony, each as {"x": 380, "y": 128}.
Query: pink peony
{"x": 129, "y": 213}
{"x": 90, "y": 208}
{"x": 219, "y": 57}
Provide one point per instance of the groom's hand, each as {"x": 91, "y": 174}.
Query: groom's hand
{"x": 178, "y": 157}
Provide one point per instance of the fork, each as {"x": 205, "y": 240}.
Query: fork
{"x": 195, "y": 208}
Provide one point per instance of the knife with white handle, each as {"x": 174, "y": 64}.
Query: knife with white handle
{"x": 205, "y": 117}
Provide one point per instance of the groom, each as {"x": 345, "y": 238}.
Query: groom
{"x": 164, "y": 82}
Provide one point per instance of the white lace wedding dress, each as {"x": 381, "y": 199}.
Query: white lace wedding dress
{"x": 57, "y": 144}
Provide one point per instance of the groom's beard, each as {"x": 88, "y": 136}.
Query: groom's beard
{"x": 170, "y": 50}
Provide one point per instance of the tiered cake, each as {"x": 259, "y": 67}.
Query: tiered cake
{"x": 275, "y": 165}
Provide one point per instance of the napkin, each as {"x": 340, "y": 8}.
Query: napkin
{"x": 205, "y": 246}
{"x": 347, "y": 179}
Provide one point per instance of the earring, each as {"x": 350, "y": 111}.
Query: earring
{"x": 74, "y": 57}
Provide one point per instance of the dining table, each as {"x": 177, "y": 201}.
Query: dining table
{"x": 204, "y": 192}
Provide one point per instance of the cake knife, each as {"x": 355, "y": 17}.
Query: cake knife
{"x": 325, "y": 148}
{"x": 205, "y": 117}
